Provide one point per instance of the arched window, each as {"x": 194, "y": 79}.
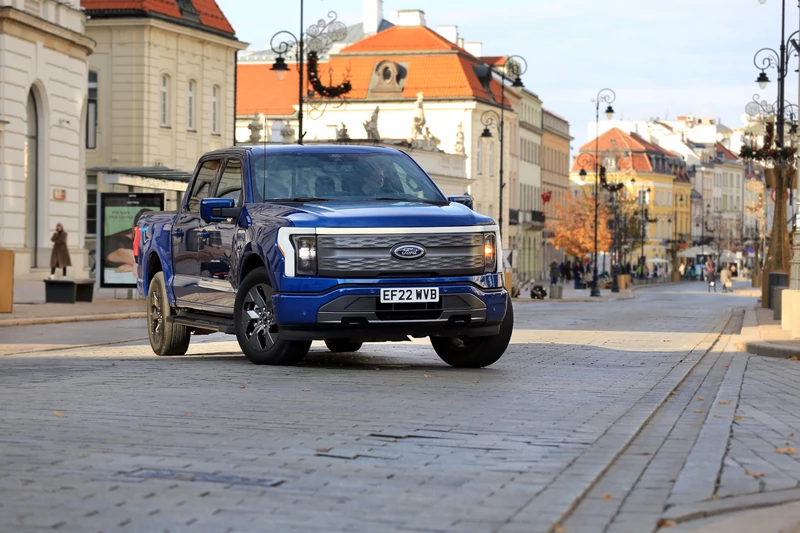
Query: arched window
{"x": 190, "y": 95}
{"x": 32, "y": 177}
{"x": 215, "y": 110}
{"x": 165, "y": 101}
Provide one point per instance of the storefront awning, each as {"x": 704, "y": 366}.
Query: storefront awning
{"x": 158, "y": 178}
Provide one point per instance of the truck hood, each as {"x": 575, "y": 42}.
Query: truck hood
{"x": 384, "y": 215}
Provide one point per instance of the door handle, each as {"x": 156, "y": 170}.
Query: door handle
{"x": 178, "y": 233}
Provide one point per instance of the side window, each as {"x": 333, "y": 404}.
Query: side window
{"x": 230, "y": 183}
{"x": 202, "y": 184}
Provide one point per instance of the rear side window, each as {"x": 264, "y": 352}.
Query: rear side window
{"x": 202, "y": 184}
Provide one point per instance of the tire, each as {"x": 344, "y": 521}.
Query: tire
{"x": 166, "y": 338}
{"x": 476, "y": 352}
{"x": 343, "y": 345}
{"x": 256, "y": 331}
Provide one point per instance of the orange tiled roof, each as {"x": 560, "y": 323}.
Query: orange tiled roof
{"x": 639, "y": 149}
{"x": 726, "y": 154}
{"x": 210, "y": 14}
{"x": 403, "y": 39}
{"x": 448, "y": 75}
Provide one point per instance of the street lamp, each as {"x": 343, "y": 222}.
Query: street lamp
{"x": 320, "y": 37}
{"x": 490, "y": 118}
{"x": 606, "y": 96}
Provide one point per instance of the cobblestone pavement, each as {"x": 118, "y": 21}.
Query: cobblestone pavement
{"x": 110, "y": 438}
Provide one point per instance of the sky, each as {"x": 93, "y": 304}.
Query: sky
{"x": 662, "y": 58}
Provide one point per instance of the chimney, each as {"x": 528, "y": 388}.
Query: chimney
{"x": 408, "y": 17}
{"x": 460, "y": 42}
{"x": 475, "y": 48}
{"x": 448, "y": 32}
{"x": 372, "y": 15}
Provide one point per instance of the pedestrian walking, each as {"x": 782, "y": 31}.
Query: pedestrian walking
{"x": 59, "y": 257}
{"x": 725, "y": 279}
{"x": 733, "y": 271}
{"x": 682, "y": 270}
{"x": 554, "y": 273}
{"x": 712, "y": 280}
{"x": 576, "y": 275}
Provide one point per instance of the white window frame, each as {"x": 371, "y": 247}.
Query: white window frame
{"x": 191, "y": 108}
{"x": 215, "y": 92}
{"x": 479, "y": 157}
{"x": 491, "y": 159}
{"x": 164, "y": 111}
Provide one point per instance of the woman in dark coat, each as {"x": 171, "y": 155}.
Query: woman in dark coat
{"x": 59, "y": 258}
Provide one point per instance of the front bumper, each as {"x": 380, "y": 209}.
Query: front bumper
{"x": 355, "y": 312}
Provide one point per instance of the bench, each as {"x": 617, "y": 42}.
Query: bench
{"x": 68, "y": 291}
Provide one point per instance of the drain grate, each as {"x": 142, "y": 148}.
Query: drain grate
{"x": 208, "y": 478}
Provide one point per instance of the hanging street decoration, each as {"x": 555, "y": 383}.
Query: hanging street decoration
{"x": 770, "y": 151}
{"x": 336, "y": 91}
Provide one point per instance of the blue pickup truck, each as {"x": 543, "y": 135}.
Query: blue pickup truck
{"x": 284, "y": 245}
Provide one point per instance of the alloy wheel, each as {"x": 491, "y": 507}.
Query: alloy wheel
{"x": 156, "y": 316}
{"x": 258, "y": 318}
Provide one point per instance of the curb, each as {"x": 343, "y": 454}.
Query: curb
{"x": 36, "y": 321}
{"x": 751, "y": 340}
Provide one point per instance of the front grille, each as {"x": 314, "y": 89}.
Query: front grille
{"x": 361, "y": 256}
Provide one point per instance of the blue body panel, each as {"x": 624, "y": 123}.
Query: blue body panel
{"x": 297, "y": 299}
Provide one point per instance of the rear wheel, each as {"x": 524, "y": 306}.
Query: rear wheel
{"x": 476, "y": 352}
{"x": 343, "y": 345}
{"x": 166, "y": 338}
{"x": 256, "y": 331}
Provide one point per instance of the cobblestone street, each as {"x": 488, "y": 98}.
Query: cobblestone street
{"x": 601, "y": 417}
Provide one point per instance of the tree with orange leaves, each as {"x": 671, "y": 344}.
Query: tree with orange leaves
{"x": 574, "y": 232}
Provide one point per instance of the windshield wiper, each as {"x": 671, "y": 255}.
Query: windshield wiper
{"x": 301, "y": 199}
{"x": 413, "y": 200}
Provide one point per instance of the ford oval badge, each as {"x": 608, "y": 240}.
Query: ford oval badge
{"x": 408, "y": 251}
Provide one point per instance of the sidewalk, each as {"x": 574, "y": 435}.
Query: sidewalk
{"x": 30, "y": 308}
{"x": 762, "y": 335}
{"x": 569, "y": 294}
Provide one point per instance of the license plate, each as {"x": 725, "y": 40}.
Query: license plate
{"x": 399, "y": 296}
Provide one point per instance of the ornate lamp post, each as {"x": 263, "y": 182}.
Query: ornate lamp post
{"x": 775, "y": 154}
{"x": 607, "y": 96}
{"x": 317, "y": 38}
{"x": 517, "y": 66}
{"x": 676, "y": 239}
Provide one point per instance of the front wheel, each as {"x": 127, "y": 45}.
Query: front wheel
{"x": 256, "y": 331}
{"x": 166, "y": 338}
{"x": 476, "y": 352}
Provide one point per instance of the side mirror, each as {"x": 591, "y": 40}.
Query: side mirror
{"x": 464, "y": 200}
{"x": 218, "y": 209}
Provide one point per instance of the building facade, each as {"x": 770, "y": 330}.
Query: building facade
{"x": 162, "y": 92}
{"x": 530, "y": 260}
{"x": 554, "y": 162}
{"x": 658, "y": 179}
{"x": 43, "y": 101}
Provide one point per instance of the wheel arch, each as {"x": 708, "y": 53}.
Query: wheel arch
{"x": 250, "y": 263}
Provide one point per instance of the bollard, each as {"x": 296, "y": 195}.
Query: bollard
{"x": 6, "y": 281}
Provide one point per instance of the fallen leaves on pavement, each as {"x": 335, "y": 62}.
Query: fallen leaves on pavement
{"x": 739, "y": 418}
{"x": 186, "y": 413}
{"x": 559, "y": 529}
{"x": 698, "y": 411}
{"x": 607, "y": 496}
{"x": 243, "y": 387}
{"x": 700, "y": 398}
{"x": 324, "y": 450}
{"x": 667, "y": 523}
{"x": 794, "y": 358}
{"x": 306, "y": 390}
{"x": 426, "y": 375}
{"x": 786, "y": 451}
{"x": 58, "y": 413}
{"x": 753, "y": 474}
{"x": 724, "y": 402}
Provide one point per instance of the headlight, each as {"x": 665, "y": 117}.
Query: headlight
{"x": 489, "y": 253}
{"x": 305, "y": 255}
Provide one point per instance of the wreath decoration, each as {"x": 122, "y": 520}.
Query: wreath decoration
{"x": 336, "y": 91}
{"x": 610, "y": 187}
{"x": 769, "y": 151}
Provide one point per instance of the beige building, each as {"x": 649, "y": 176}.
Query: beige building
{"x": 161, "y": 93}
{"x": 530, "y": 264}
{"x": 555, "y": 173}
{"x": 43, "y": 80}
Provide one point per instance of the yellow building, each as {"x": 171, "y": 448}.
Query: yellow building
{"x": 554, "y": 162}
{"x": 658, "y": 181}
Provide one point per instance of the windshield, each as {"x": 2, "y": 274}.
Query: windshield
{"x": 340, "y": 177}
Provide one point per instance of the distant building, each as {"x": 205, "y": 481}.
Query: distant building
{"x": 43, "y": 82}
{"x": 555, "y": 172}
